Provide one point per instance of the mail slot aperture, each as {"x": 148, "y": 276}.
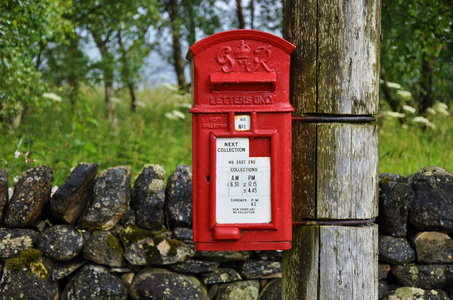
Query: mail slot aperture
{"x": 243, "y": 81}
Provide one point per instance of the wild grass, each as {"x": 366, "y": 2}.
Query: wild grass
{"x": 406, "y": 145}
{"x": 159, "y": 132}
{"x": 61, "y": 136}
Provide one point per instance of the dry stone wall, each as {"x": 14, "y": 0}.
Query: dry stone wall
{"x": 96, "y": 237}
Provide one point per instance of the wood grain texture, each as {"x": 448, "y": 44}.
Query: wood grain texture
{"x": 304, "y": 171}
{"x": 300, "y": 265}
{"x": 301, "y": 30}
{"x": 348, "y": 56}
{"x": 347, "y": 171}
{"x": 348, "y": 262}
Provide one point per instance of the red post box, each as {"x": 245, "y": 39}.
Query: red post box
{"x": 241, "y": 126}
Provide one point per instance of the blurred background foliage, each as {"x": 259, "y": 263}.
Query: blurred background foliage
{"x": 74, "y": 80}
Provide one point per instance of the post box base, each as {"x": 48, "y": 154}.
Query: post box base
{"x": 238, "y": 246}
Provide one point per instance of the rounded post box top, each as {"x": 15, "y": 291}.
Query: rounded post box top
{"x": 246, "y": 34}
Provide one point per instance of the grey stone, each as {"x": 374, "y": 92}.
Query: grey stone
{"x": 163, "y": 284}
{"x": 183, "y": 234}
{"x": 111, "y": 197}
{"x": 432, "y": 206}
{"x": 63, "y": 269}
{"x": 382, "y": 289}
{"x": 422, "y": 276}
{"x": 28, "y": 277}
{"x": 143, "y": 247}
{"x": 224, "y": 256}
{"x": 31, "y": 195}
{"x": 104, "y": 248}
{"x": 244, "y": 290}
{"x": 270, "y": 255}
{"x": 272, "y": 290}
{"x": 69, "y": 201}
{"x": 221, "y": 275}
{"x": 395, "y": 196}
{"x": 3, "y": 190}
{"x": 192, "y": 266}
{"x": 127, "y": 279}
{"x": 129, "y": 218}
{"x": 14, "y": 241}
{"x": 148, "y": 197}
{"x": 383, "y": 270}
{"x": 179, "y": 197}
{"x": 94, "y": 282}
{"x": 60, "y": 242}
{"x": 254, "y": 269}
{"x": 433, "y": 247}
{"x": 414, "y": 293}
{"x": 395, "y": 250}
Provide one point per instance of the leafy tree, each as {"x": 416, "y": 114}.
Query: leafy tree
{"x": 184, "y": 19}
{"x": 118, "y": 29}
{"x": 26, "y": 29}
{"x": 415, "y": 50}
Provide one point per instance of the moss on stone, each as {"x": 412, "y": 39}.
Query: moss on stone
{"x": 29, "y": 261}
{"x": 174, "y": 245}
{"x": 133, "y": 234}
{"x": 115, "y": 244}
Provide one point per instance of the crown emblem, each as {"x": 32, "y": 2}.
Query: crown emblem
{"x": 242, "y": 52}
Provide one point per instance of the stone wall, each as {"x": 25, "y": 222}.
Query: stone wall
{"x": 416, "y": 229}
{"x": 95, "y": 237}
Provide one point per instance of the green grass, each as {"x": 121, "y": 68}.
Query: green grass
{"x": 406, "y": 148}
{"x": 62, "y": 137}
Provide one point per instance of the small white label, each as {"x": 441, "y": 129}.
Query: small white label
{"x": 242, "y": 122}
{"x": 243, "y": 183}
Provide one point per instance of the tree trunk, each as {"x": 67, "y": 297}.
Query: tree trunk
{"x": 133, "y": 98}
{"x": 335, "y": 93}
{"x": 240, "y": 14}
{"x": 426, "y": 96}
{"x": 178, "y": 60}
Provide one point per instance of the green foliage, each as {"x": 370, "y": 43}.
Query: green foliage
{"x": 26, "y": 27}
{"x": 58, "y": 136}
{"x": 416, "y": 49}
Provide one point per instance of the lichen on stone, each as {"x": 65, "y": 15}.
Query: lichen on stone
{"x": 29, "y": 261}
{"x": 115, "y": 244}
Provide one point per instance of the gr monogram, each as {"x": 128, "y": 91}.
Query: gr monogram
{"x": 243, "y": 58}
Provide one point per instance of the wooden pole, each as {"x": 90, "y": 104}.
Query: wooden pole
{"x": 335, "y": 91}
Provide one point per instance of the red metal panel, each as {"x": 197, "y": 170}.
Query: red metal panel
{"x": 241, "y": 141}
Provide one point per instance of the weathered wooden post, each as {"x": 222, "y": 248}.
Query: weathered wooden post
{"x": 334, "y": 89}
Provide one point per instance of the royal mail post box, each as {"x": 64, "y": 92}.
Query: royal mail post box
{"x": 241, "y": 141}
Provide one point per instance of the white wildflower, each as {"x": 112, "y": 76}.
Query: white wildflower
{"x": 171, "y": 87}
{"x": 10, "y": 192}
{"x": 179, "y": 114}
{"x": 394, "y": 114}
{"x": 52, "y": 96}
{"x": 424, "y": 121}
{"x": 16, "y": 179}
{"x": 391, "y": 85}
{"x": 405, "y": 94}
{"x": 441, "y": 108}
{"x": 174, "y": 115}
{"x": 409, "y": 109}
{"x": 430, "y": 111}
{"x": 186, "y": 105}
{"x": 17, "y": 154}
{"x": 139, "y": 103}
